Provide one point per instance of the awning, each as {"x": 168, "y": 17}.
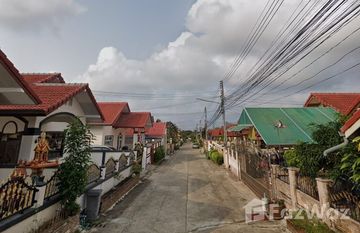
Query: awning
{"x": 239, "y": 127}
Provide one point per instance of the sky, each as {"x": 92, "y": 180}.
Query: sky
{"x": 159, "y": 55}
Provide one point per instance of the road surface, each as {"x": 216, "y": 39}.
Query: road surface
{"x": 186, "y": 193}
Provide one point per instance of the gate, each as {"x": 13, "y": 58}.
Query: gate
{"x": 255, "y": 172}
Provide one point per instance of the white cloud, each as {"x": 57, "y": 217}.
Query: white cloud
{"x": 36, "y": 15}
{"x": 195, "y": 61}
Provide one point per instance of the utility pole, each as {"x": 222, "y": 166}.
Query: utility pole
{"x": 205, "y": 125}
{"x": 222, "y": 105}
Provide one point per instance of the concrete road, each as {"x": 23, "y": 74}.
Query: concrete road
{"x": 186, "y": 193}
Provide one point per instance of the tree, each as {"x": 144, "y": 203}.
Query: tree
{"x": 309, "y": 156}
{"x": 173, "y": 132}
{"x": 73, "y": 171}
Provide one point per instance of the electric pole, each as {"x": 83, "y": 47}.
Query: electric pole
{"x": 205, "y": 125}
{"x": 222, "y": 105}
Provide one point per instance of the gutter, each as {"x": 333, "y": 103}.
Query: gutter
{"x": 337, "y": 147}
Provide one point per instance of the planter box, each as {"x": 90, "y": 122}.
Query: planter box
{"x": 291, "y": 227}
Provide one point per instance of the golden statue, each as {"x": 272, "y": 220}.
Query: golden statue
{"x": 42, "y": 149}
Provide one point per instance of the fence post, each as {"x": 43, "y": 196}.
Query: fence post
{"x": 40, "y": 195}
{"x": 143, "y": 161}
{"x": 323, "y": 190}
{"x": 274, "y": 171}
{"x": 238, "y": 164}
{"x": 293, "y": 183}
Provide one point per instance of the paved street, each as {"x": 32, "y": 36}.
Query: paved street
{"x": 186, "y": 193}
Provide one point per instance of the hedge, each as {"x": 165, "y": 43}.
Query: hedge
{"x": 216, "y": 157}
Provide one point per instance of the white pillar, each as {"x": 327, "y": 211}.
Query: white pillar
{"x": 27, "y": 147}
{"x": 143, "y": 161}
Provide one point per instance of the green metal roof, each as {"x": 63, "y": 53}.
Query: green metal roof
{"x": 296, "y": 123}
{"x": 239, "y": 127}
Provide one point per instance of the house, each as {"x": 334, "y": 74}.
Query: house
{"x": 157, "y": 133}
{"x": 283, "y": 126}
{"x": 218, "y": 133}
{"x": 351, "y": 128}
{"x": 121, "y": 127}
{"x": 106, "y": 132}
{"x": 344, "y": 103}
{"x": 33, "y": 103}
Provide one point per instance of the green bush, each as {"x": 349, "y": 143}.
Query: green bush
{"x": 159, "y": 154}
{"x": 136, "y": 168}
{"x": 73, "y": 171}
{"x": 291, "y": 158}
{"x": 313, "y": 225}
{"x": 216, "y": 157}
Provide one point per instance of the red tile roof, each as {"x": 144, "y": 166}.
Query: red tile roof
{"x": 157, "y": 130}
{"x": 217, "y": 132}
{"x": 43, "y": 78}
{"x": 345, "y": 103}
{"x": 134, "y": 120}
{"x": 9, "y": 66}
{"x": 355, "y": 117}
{"x": 112, "y": 111}
{"x": 51, "y": 96}
{"x": 49, "y": 91}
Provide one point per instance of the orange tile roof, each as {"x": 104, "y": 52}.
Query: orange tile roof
{"x": 43, "y": 77}
{"x": 157, "y": 130}
{"x": 133, "y": 120}
{"x": 345, "y": 103}
{"x": 355, "y": 117}
{"x": 9, "y": 66}
{"x": 112, "y": 111}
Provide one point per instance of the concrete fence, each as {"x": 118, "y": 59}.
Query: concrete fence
{"x": 109, "y": 168}
{"x": 287, "y": 184}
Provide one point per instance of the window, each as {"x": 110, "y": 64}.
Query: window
{"x": 56, "y": 140}
{"x": 109, "y": 140}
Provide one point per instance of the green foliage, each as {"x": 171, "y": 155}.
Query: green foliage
{"x": 309, "y": 156}
{"x": 159, "y": 154}
{"x": 136, "y": 168}
{"x": 291, "y": 158}
{"x": 216, "y": 157}
{"x": 73, "y": 171}
{"x": 313, "y": 225}
{"x": 350, "y": 163}
{"x": 173, "y": 132}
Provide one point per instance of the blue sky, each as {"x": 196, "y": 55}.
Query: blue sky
{"x": 167, "y": 52}
{"x": 137, "y": 28}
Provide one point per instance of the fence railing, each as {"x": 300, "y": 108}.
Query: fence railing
{"x": 52, "y": 186}
{"x": 93, "y": 173}
{"x": 110, "y": 167}
{"x": 344, "y": 197}
{"x": 122, "y": 162}
{"x": 283, "y": 175}
{"x": 15, "y": 197}
{"x": 307, "y": 185}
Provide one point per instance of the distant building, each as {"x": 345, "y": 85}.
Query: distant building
{"x": 344, "y": 103}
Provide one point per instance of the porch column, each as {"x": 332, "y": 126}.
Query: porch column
{"x": 28, "y": 143}
{"x": 123, "y": 137}
{"x": 293, "y": 183}
{"x": 135, "y": 139}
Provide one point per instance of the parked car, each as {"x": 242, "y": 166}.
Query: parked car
{"x": 102, "y": 148}
{"x": 195, "y": 146}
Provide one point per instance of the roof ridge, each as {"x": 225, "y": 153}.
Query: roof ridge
{"x": 60, "y": 84}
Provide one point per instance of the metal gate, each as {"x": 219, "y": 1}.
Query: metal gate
{"x": 255, "y": 172}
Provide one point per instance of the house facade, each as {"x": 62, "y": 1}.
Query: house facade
{"x": 35, "y": 103}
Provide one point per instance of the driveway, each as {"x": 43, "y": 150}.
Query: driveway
{"x": 186, "y": 193}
